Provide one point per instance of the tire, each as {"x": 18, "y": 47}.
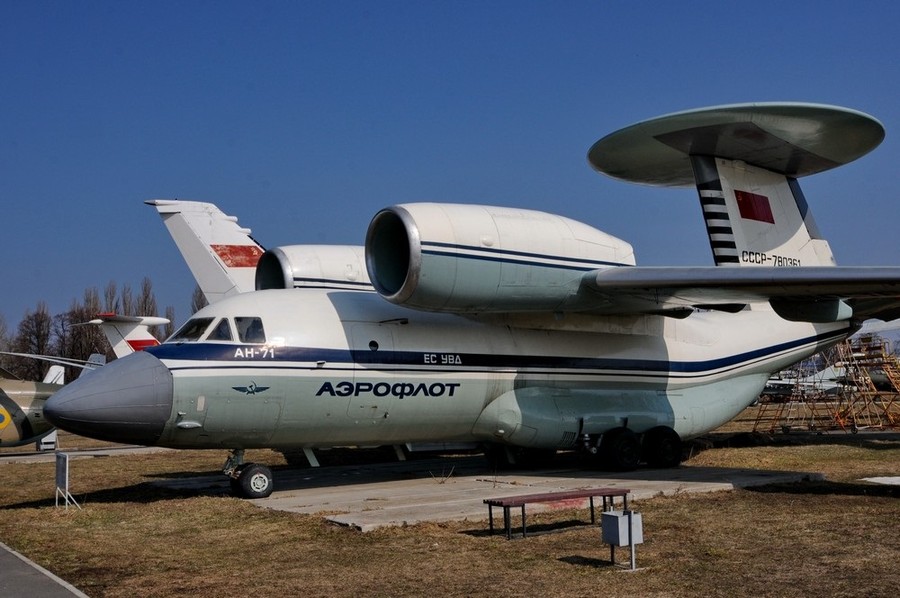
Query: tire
{"x": 620, "y": 449}
{"x": 255, "y": 481}
{"x": 662, "y": 447}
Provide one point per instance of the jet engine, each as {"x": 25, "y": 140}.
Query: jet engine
{"x": 478, "y": 259}
{"x": 321, "y": 266}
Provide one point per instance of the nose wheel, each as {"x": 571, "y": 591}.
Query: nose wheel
{"x": 248, "y": 480}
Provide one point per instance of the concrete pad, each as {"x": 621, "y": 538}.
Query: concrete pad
{"x": 886, "y": 480}
{"x": 50, "y": 456}
{"x": 453, "y": 489}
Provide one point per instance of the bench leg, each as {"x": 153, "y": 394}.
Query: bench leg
{"x": 506, "y": 523}
{"x": 524, "y": 531}
{"x": 593, "y": 518}
{"x": 491, "y": 517}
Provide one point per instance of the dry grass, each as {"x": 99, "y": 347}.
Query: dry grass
{"x": 829, "y": 538}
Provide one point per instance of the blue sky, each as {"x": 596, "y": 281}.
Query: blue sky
{"x": 305, "y": 118}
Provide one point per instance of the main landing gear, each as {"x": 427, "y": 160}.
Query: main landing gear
{"x": 248, "y": 480}
{"x": 621, "y": 449}
{"x": 618, "y": 449}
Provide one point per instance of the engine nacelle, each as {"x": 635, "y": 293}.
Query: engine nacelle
{"x": 339, "y": 267}
{"x": 476, "y": 259}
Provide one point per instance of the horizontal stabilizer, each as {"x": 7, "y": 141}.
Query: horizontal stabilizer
{"x": 127, "y": 334}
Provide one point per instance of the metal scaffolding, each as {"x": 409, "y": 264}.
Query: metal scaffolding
{"x": 851, "y": 387}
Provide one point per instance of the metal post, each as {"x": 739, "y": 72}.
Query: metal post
{"x": 631, "y": 540}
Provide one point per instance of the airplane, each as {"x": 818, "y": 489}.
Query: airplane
{"x": 525, "y": 331}
{"x": 22, "y": 402}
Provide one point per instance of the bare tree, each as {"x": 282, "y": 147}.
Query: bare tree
{"x": 4, "y": 343}
{"x": 110, "y": 298}
{"x": 146, "y": 301}
{"x": 127, "y": 301}
{"x": 33, "y": 336}
{"x": 168, "y": 329}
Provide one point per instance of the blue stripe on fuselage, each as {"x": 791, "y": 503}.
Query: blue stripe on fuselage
{"x": 228, "y": 355}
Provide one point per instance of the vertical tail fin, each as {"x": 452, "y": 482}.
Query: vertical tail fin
{"x": 55, "y": 375}
{"x": 755, "y": 217}
{"x": 95, "y": 361}
{"x": 221, "y": 255}
{"x": 745, "y": 160}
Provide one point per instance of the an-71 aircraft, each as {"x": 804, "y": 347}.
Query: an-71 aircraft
{"x": 522, "y": 330}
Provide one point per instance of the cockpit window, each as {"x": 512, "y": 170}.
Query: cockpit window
{"x": 221, "y": 332}
{"x": 250, "y": 330}
{"x": 192, "y": 330}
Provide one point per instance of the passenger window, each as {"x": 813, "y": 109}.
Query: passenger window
{"x": 191, "y": 331}
{"x": 222, "y": 331}
{"x": 250, "y": 330}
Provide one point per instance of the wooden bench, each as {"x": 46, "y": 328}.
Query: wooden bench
{"x": 506, "y": 503}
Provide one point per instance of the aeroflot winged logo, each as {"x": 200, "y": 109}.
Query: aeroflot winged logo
{"x": 253, "y": 389}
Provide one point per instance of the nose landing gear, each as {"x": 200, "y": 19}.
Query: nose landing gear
{"x": 248, "y": 480}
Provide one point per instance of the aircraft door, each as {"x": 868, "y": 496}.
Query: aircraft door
{"x": 372, "y": 347}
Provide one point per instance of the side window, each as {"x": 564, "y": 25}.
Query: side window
{"x": 250, "y": 330}
{"x": 191, "y": 331}
{"x": 222, "y": 331}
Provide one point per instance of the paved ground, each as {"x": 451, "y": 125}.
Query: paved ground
{"x": 371, "y": 496}
{"x": 21, "y": 578}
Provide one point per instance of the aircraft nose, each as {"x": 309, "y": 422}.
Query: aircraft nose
{"x": 129, "y": 400}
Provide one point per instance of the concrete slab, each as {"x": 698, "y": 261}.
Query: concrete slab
{"x": 453, "y": 489}
{"x": 50, "y": 456}
{"x": 886, "y": 480}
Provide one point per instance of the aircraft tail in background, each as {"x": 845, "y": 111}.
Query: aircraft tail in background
{"x": 127, "y": 334}
{"x": 55, "y": 375}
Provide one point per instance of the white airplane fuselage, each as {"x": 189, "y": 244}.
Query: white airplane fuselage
{"x": 348, "y": 368}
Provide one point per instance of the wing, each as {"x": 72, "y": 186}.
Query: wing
{"x": 815, "y": 294}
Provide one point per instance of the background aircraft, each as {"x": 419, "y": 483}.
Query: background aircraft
{"x": 526, "y": 331}
{"x": 21, "y": 407}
